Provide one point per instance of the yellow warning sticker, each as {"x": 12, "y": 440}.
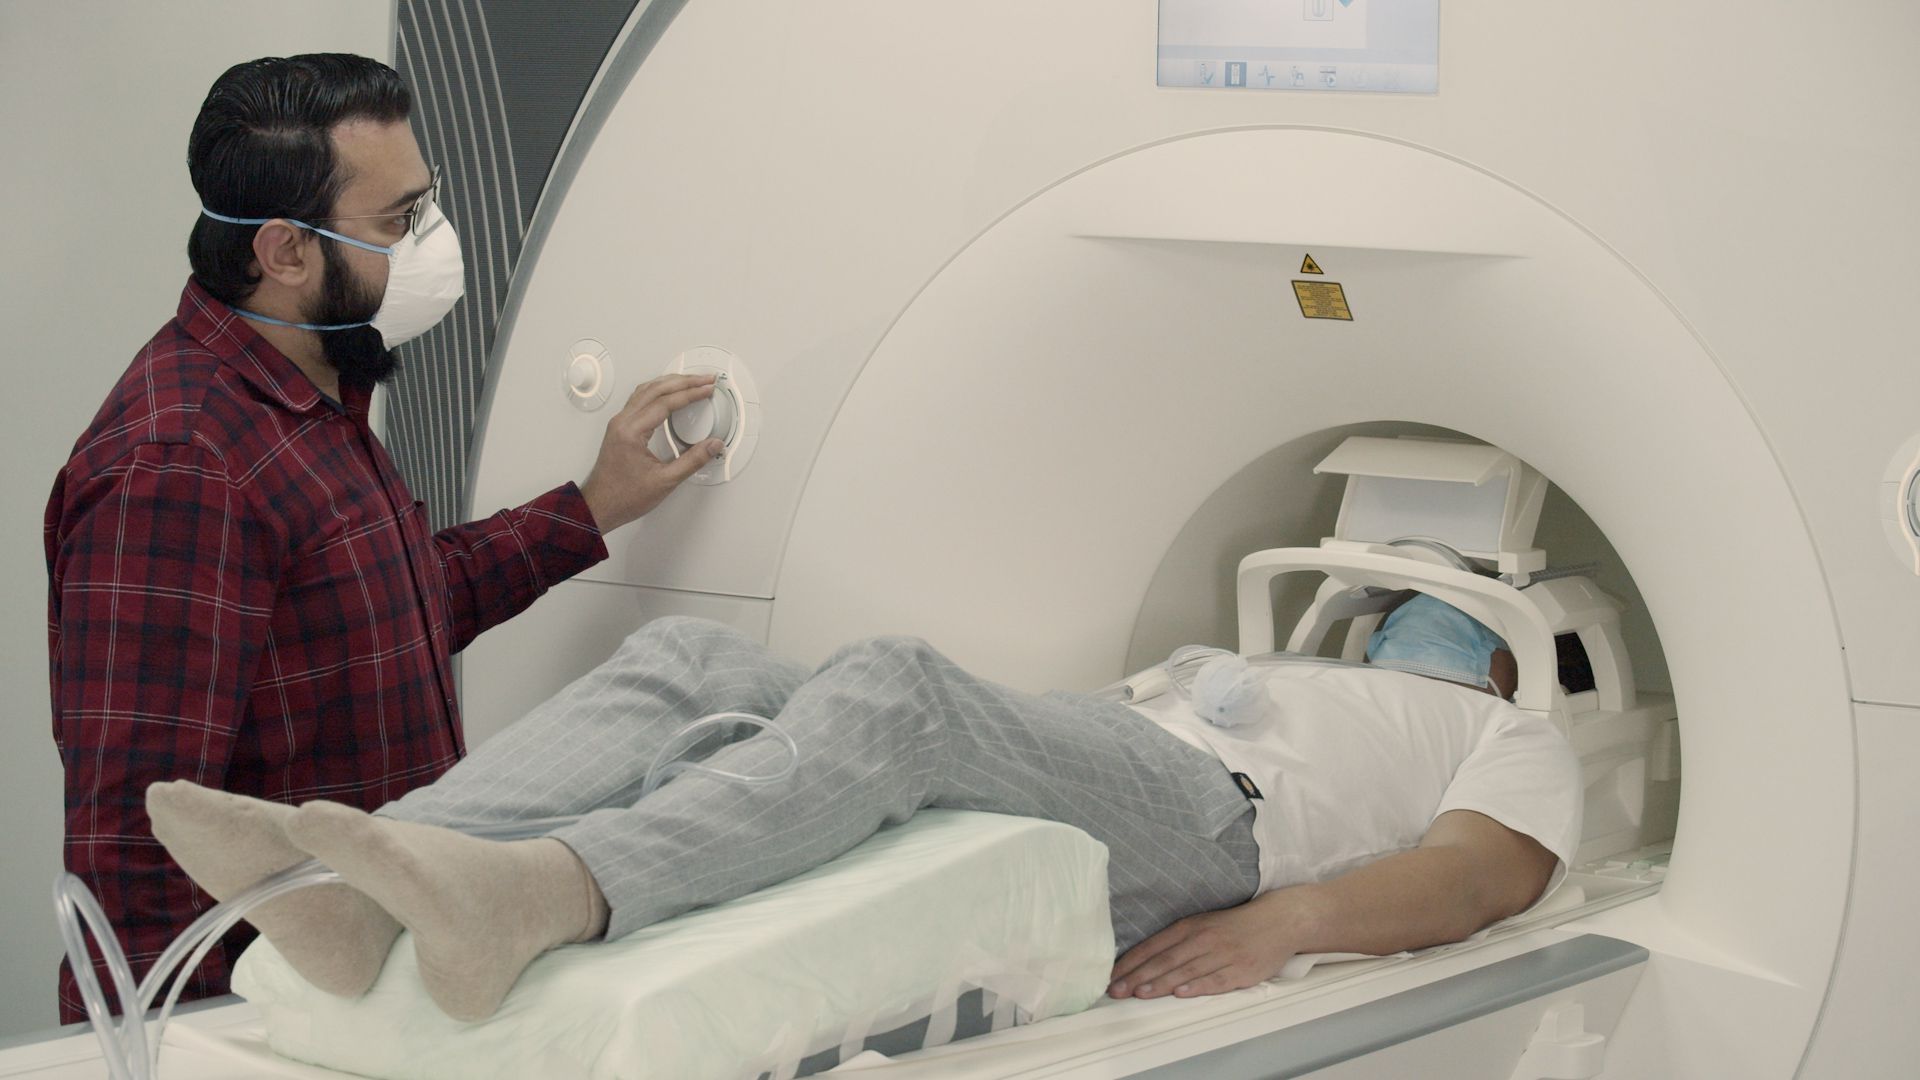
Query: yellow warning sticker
{"x": 1322, "y": 300}
{"x": 1310, "y": 267}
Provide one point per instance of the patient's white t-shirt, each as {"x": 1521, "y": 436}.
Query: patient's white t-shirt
{"x": 1354, "y": 763}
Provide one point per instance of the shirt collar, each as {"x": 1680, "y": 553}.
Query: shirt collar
{"x": 240, "y": 347}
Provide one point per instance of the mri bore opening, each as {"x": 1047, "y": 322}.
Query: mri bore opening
{"x": 1630, "y": 757}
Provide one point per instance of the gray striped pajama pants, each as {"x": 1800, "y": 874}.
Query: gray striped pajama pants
{"x": 885, "y": 727}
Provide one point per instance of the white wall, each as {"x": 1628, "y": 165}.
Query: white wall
{"x": 96, "y": 101}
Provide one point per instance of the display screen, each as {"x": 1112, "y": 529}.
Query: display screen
{"x": 1370, "y": 46}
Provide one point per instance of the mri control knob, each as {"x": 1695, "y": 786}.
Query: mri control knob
{"x": 715, "y": 418}
{"x": 731, "y": 415}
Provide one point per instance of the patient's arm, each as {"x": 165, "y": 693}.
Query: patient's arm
{"x": 1468, "y": 871}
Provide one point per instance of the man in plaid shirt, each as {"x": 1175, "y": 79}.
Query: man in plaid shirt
{"x": 242, "y": 592}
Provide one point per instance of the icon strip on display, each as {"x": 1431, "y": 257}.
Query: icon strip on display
{"x": 1226, "y": 74}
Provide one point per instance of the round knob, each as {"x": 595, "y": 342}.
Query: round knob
{"x": 583, "y": 375}
{"x": 715, "y": 418}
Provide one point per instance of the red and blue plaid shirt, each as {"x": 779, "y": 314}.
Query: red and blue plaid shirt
{"x": 242, "y": 593}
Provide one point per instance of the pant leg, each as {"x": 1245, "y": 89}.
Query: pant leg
{"x": 888, "y": 727}
{"x": 589, "y": 746}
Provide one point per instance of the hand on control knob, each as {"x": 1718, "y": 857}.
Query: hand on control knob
{"x": 627, "y": 479}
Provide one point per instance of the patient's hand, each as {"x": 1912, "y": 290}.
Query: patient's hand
{"x": 1468, "y": 872}
{"x": 1224, "y": 950}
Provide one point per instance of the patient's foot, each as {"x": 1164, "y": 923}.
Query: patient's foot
{"x": 480, "y": 910}
{"x": 333, "y": 935}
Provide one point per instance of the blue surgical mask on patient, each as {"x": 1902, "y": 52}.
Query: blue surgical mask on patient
{"x": 1429, "y": 637}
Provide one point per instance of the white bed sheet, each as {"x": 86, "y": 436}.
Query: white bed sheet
{"x": 899, "y": 928}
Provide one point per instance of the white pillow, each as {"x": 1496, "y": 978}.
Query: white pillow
{"x": 950, "y": 925}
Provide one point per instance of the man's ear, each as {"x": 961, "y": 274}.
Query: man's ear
{"x": 283, "y": 253}
{"x": 1504, "y": 670}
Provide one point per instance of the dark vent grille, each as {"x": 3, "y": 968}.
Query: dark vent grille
{"x": 1576, "y": 669}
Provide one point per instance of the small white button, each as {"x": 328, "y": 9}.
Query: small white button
{"x": 583, "y": 375}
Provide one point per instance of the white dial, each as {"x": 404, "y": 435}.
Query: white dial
{"x": 731, "y": 415}
{"x": 714, "y": 418}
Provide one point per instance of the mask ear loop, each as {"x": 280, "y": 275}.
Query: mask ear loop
{"x": 342, "y": 237}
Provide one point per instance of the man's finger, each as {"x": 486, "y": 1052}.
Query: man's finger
{"x": 1180, "y": 981}
{"x": 693, "y": 460}
{"x": 1146, "y": 951}
{"x": 652, "y": 414}
{"x": 1226, "y": 979}
{"x": 666, "y": 384}
{"x": 1152, "y": 972}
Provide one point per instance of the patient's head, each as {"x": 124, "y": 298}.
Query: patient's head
{"x": 1425, "y": 636}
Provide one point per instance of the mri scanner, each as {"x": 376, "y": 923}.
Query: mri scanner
{"x": 1032, "y": 374}
{"x": 1037, "y": 318}
{"x": 1026, "y": 317}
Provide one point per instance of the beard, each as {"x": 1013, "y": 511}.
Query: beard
{"x": 359, "y": 354}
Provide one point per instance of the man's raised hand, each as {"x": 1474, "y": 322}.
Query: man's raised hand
{"x": 628, "y": 479}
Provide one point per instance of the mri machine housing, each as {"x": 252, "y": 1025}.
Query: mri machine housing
{"x": 1023, "y": 341}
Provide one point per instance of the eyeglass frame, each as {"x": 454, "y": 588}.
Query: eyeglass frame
{"x": 414, "y": 214}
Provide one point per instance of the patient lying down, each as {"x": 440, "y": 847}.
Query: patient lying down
{"x": 1368, "y": 810}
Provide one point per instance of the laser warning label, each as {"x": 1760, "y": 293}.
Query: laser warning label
{"x": 1322, "y": 300}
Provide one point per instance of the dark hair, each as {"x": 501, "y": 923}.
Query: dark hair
{"x": 262, "y": 146}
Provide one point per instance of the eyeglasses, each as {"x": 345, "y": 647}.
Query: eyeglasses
{"x": 416, "y": 214}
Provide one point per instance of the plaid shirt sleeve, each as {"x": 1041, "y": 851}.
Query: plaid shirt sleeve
{"x": 162, "y": 589}
{"x": 499, "y": 565}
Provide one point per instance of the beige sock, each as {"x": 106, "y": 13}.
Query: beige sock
{"x": 480, "y": 910}
{"x": 333, "y": 935}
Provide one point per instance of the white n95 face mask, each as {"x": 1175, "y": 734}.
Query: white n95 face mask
{"x": 426, "y": 276}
